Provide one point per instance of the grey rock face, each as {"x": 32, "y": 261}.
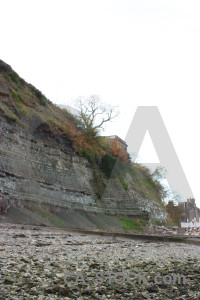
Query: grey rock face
{"x": 40, "y": 171}
{"x": 37, "y": 169}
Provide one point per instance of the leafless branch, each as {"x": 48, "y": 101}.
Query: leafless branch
{"x": 93, "y": 114}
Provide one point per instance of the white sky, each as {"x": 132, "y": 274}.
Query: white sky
{"x": 129, "y": 52}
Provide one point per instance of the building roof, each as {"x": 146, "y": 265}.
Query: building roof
{"x": 116, "y": 137}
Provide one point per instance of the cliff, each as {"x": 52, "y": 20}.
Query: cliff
{"x": 42, "y": 166}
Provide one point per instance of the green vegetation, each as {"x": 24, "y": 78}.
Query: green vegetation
{"x": 142, "y": 181}
{"x": 8, "y": 113}
{"x": 123, "y": 182}
{"x": 52, "y": 218}
{"x": 14, "y": 77}
{"x": 89, "y": 155}
{"x": 146, "y": 185}
{"x": 107, "y": 164}
{"x": 133, "y": 224}
{"x": 39, "y": 95}
{"x": 12, "y": 117}
{"x": 16, "y": 96}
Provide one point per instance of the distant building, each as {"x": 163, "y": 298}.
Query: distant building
{"x": 191, "y": 213}
{"x": 120, "y": 143}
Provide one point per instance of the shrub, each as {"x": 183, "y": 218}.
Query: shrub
{"x": 9, "y": 114}
{"x": 14, "y": 77}
{"x": 88, "y": 154}
{"x": 39, "y": 95}
{"x": 16, "y": 97}
{"x": 12, "y": 117}
{"x": 132, "y": 224}
{"x": 117, "y": 151}
{"x": 124, "y": 183}
{"x": 107, "y": 164}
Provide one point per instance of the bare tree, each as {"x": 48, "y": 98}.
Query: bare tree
{"x": 93, "y": 114}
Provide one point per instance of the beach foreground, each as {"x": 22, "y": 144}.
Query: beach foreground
{"x": 44, "y": 263}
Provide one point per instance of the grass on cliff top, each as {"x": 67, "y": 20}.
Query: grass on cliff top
{"x": 133, "y": 224}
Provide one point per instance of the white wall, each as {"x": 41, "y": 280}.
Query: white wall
{"x": 189, "y": 225}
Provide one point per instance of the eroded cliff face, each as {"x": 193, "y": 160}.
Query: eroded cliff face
{"x": 40, "y": 169}
{"x": 37, "y": 168}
